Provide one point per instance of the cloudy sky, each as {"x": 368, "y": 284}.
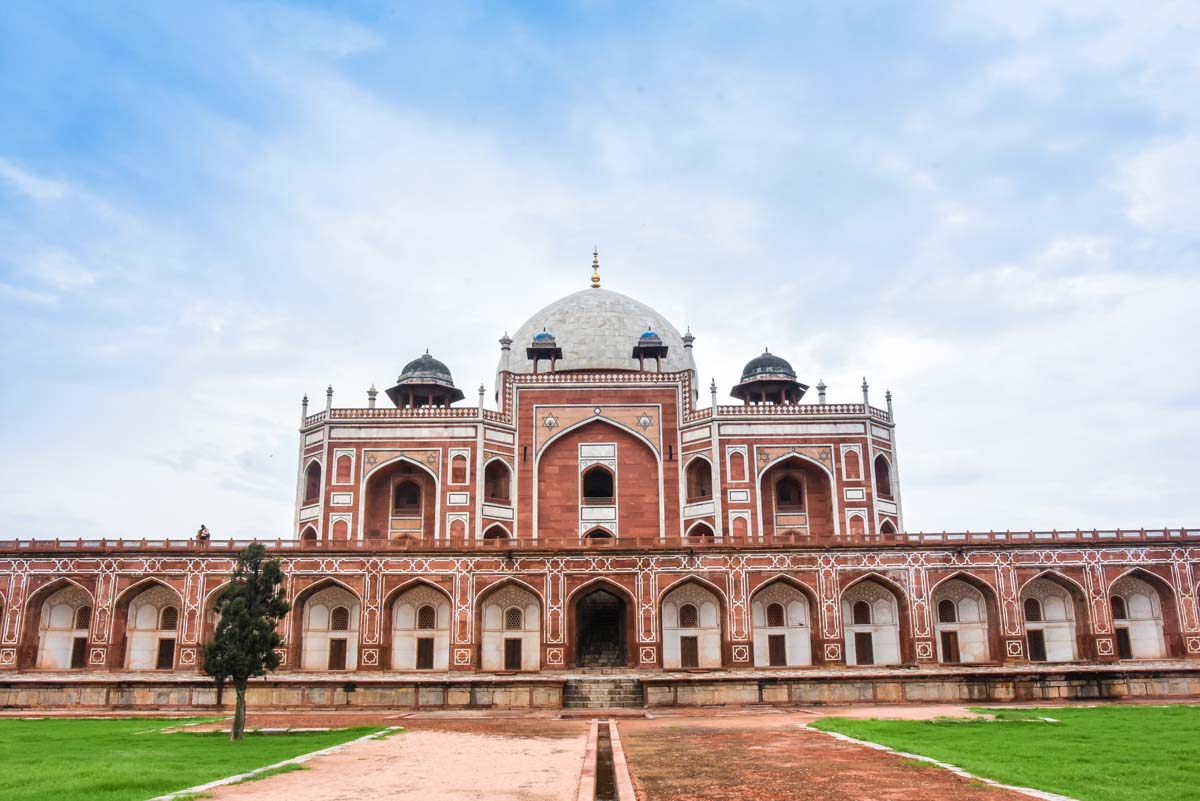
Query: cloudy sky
{"x": 206, "y": 213}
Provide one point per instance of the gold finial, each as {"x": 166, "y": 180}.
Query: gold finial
{"x": 595, "y": 268}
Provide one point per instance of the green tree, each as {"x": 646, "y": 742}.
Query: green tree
{"x": 244, "y": 643}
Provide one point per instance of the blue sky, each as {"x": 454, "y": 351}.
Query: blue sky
{"x": 207, "y": 210}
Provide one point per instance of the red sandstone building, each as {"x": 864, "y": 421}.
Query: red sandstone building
{"x": 600, "y": 518}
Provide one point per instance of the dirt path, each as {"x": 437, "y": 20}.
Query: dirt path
{"x": 427, "y": 763}
{"x": 771, "y": 757}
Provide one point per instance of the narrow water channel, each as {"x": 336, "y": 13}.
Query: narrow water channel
{"x": 606, "y": 782}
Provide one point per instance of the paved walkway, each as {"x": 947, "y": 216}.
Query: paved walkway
{"x": 423, "y": 765}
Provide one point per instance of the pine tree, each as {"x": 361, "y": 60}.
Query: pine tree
{"x": 244, "y": 644}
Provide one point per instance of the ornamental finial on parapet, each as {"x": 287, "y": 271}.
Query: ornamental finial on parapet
{"x": 595, "y": 268}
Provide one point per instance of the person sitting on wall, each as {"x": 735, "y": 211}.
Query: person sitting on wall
{"x": 202, "y": 535}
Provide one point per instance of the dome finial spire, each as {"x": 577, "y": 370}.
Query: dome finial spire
{"x": 595, "y": 268}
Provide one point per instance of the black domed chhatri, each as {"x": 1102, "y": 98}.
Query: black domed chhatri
{"x": 649, "y": 346}
{"x": 425, "y": 381}
{"x": 769, "y": 379}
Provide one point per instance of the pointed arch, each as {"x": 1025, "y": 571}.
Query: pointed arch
{"x": 689, "y": 642}
{"x": 136, "y": 650}
{"x": 1065, "y": 640}
{"x": 314, "y": 647}
{"x": 431, "y": 514}
{"x": 597, "y": 627}
{"x": 587, "y": 421}
{"x": 885, "y": 637}
{"x": 700, "y": 529}
{"x": 1172, "y": 632}
{"x": 496, "y": 531}
{"x": 31, "y": 617}
{"x": 309, "y": 535}
{"x": 698, "y": 479}
{"x": 882, "y": 476}
{"x": 312, "y": 482}
{"x": 417, "y": 620}
{"x": 827, "y": 472}
{"x": 497, "y": 481}
{"x": 598, "y": 533}
{"x": 966, "y": 638}
{"x": 509, "y": 641}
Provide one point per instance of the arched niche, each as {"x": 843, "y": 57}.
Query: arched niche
{"x": 797, "y": 495}
{"x": 691, "y": 627}
{"x": 421, "y": 623}
{"x": 63, "y": 629}
{"x": 400, "y": 502}
{"x": 510, "y": 629}
{"x": 152, "y": 621}
{"x": 1051, "y": 608}
{"x": 781, "y": 615}
{"x": 963, "y": 621}
{"x": 329, "y": 621}
{"x": 871, "y": 624}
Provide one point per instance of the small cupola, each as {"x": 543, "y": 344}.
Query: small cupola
{"x": 543, "y": 346}
{"x": 649, "y": 346}
{"x": 769, "y": 379}
{"x": 424, "y": 381}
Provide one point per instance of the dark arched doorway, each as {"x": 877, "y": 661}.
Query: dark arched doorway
{"x": 600, "y": 630}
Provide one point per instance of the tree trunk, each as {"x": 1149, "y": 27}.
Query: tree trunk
{"x": 238, "y": 729}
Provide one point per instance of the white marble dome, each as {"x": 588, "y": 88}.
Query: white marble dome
{"x": 597, "y": 329}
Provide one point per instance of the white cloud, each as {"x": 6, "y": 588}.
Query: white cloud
{"x": 32, "y": 186}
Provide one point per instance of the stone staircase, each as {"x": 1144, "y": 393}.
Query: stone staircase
{"x": 603, "y": 693}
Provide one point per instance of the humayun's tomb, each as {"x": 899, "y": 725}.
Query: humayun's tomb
{"x": 603, "y": 539}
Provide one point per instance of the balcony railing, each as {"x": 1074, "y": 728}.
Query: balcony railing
{"x": 911, "y": 539}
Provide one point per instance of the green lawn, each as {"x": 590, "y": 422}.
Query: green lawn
{"x": 1107, "y": 753}
{"x": 130, "y": 759}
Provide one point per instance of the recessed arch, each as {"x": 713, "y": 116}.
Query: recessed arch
{"x": 496, "y": 531}
{"x": 370, "y": 499}
{"x": 692, "y": 640}
{"x": 508, "y": 620}
{"x": 598, "y": 484}
{"x": 1148, "y": 637}
{"x": 969, "y": 637}
{"x": 141, "y": 643}
{"x": 54, "y": 639}
{"x": 598, "y": 533}
{"x": 882, "y": 640}
{"x": 827, "y": 474}
{"x": 700, "y": 529}
{"x": 312, "y": 482}
{"x": 601, "y": 623}
{"x": 1059, "y": 632}
{"x": 319, "y": 644}
{"x": 309, "y": 535}
{"x": 590, "y": 421}
{"x": 497, "y": 480}
{"x": 782, "y": 611}
{"x": 698, "y": 479}
{"x": 418, "y": 619}
{"x": 883, "y": 477}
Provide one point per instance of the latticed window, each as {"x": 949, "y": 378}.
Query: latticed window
{"x": 775, "y": 616}
{"x": 514, "y": 618}
{"x": 169, "y": 619}
{"x": 426, "y": 618}
{"x": 862, "y": 613}
{"x": 947, "y": 612}
{"x": 406, "y": 499}
{"x": 1119, "y": 610}
{"x": 1033, "y": 610}
{"x": 83, "y": 616}
{"x": 339, "y": 619}
{"x": 689, "y": 616}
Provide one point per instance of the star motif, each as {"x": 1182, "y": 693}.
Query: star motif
{"x": 372, "y": 459}
{"x": 431, "y": 459}
{"x": 550, "y": 422}
{"x": 645, "y": 421}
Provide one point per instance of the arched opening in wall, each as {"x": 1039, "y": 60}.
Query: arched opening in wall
{"x": 458, "y": 530}
{"x": 598, "y": 485}
{"x": 883, "y": 476}
{"x": 458, "y": 469}
{"x": 329, "y": 616}
{"x": 510, "y": 623}
{"x": 887, "y": 528}
{"x": 691, "y": 623}
{"x": 496, "y": 532}
{"x": 312, "y": 483}
{"x": 343, "y": 469}
{"x": 699, "y": 480}
{"x": 797, "y": 495}
{"x": 400, "y": 501}
{"x": 601, "y": 619}
{"x": 1051, "y": 608}
{"x": 780, "y": 613}
{"x": 701, "y": 532}
{"x": 62, "y": 628}
{"x": 858, "y": 526}
{"x": 497, "y": 480}
{"x": 964, "y": 606}
{"x": 151, "y": 627}
{"x": 309, "y": 535}
{"x": 598, "y": 534}
{"x": 1143, "y": 612}
{"x": 421, "y": 617}
{"x": 341, "y": 530}
{"x": 737, "y": 466}
{"x": 871, "y": 623}
{"x": 851, "y": 466}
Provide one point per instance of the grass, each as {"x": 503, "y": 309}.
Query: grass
{"x": 131, "y": 759}
{"x": 1106, "y": 753}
